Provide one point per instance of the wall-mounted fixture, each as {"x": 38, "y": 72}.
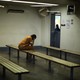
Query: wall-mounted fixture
{"x": 70, "y": 9}
{"x": 15, "y": 11}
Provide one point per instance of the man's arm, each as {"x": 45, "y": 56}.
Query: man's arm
{"x": 32, "y": 43}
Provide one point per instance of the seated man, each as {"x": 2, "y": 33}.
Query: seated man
{"x": 27, "y": 43}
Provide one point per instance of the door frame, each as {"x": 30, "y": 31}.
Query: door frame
{"x": 52, "y": 28}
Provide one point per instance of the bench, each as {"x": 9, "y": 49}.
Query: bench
{"x": 52, "y": 48}
{"x": 14, "y": 68}
{"x": 61, "y": 50}
{"x": 16, "y": 48}
{"x": 13, "y": 47}
{"x": 50, "y": 59}
{"x": 70, "y": 52}
{"x": 68, "y": 64}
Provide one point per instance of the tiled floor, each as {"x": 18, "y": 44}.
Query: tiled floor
{"x": 39, "y": 70}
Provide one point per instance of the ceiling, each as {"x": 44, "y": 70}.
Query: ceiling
{"x": 60, "y": 2}
{"x": 52, "y": 1}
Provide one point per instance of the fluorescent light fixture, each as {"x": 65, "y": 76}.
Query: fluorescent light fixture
{"x": 28, "y": 2}
{"x": 6, "y": 0}
{"x": 36, "y": 4}
{"x": 46, "y": 5}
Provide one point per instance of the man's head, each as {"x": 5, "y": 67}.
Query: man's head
{"x": 33, "y": 36}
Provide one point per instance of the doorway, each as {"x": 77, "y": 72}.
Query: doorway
{"x": 54, "y": 32}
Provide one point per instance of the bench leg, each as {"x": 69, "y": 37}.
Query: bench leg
{"x": 29, "y": 57}
{"x": 71, "y": 73}
{"x": 4, "y": 72}
{"x": 33, "y": 59}
{"x": 26, "y": 56}
{"x": 19, "y": 76}
{"x": 49, "y": 65}
{"x": 47, "y": 51}
{"x": 65, "y": 56}
{"x": 60, "y": 55}
{"x": 18, "y": 55}
{"x": 9, "y": 52}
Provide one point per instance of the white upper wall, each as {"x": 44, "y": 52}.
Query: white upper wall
{"x": 70, "y": 35}
{"x": 45, "y": 31}
{"x": 15, "y": 26}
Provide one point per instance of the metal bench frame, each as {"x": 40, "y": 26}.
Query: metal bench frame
{"x": 68, "y": 64}
{"x": 11, "y": 66}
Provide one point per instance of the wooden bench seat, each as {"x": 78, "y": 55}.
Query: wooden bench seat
{"x": 14, "y": 68}
{"x": 16, "y": 48}
{"x": 70, "y": 52}
{"x": 53, "y": 59}
{"x": 62, "y": 50}
{"x": 52, "y": 48}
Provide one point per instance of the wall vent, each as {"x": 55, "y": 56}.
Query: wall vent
{"x": 15, "y": 11}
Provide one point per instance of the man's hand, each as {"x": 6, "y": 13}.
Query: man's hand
{"x": 31, "y": 43}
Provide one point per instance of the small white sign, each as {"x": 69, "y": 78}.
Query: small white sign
{"x": 67, "y": 24}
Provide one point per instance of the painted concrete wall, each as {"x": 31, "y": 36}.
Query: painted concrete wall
{"x": 45, "y": 31}
{"x": 15, "y": 26}
{"x": 70, "y": 35}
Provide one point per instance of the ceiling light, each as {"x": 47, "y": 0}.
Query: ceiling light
{"x": 30, "y": 2}
{"x": 5, "y": 0}
{"x": 47, "y": 5}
